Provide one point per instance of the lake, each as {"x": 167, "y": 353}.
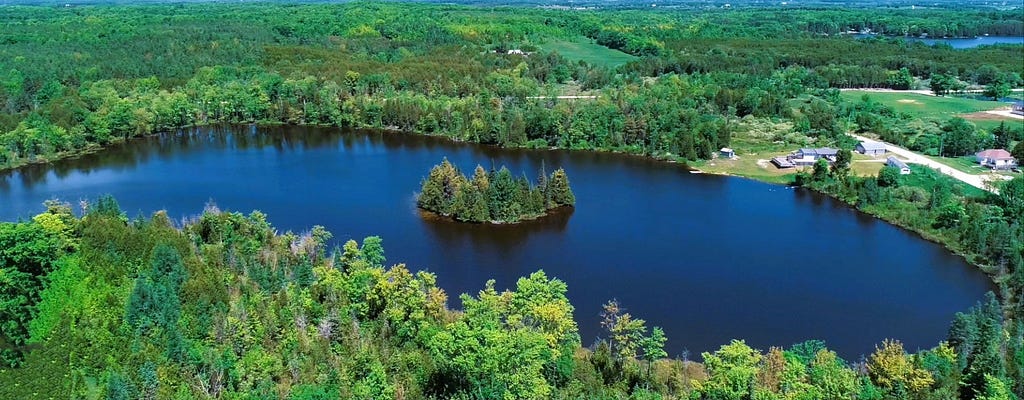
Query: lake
{"x": 956, "y": 43}
{"x": 708, "y": 258}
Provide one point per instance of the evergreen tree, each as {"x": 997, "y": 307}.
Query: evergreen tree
{"x": 561, "y": 193}
{"x": 431, "y": 195}
{"x": 493, "y": 196}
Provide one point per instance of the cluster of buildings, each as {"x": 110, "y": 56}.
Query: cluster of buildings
{"x": 805, "y": 157}
{"x": 996, "y": 159}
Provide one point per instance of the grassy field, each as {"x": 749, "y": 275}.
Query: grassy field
{"x": 754, "y": 166}
{"x": 924, "y": 106}
{"x": 926, "y": 178}
{"x": 989, "y": 122}
{"x": 866, "y": 165}
{"x": 963, "y": 164}
{"x": 583, "y": 49}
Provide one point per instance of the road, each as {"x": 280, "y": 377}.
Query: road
{"x": 924, "y": 92}
{"x": 977, "y": 181}
{"x": 564, "y": 97}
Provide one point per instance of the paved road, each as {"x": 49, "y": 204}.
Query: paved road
{"x": 977, "y": 181}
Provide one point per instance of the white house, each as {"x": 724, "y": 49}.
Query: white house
{"x": 996, "y": 159}
{"x": 871, "y": 148}
{"x": 727, "y": 153}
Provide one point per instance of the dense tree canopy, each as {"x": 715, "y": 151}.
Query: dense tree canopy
{"x": 494, "y": 196}
{"x": 223, "y": 306}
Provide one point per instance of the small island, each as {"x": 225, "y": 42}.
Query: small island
{"x": 496, "y": 197}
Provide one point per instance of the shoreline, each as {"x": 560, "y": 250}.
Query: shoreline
{"x": 396, "y": 130}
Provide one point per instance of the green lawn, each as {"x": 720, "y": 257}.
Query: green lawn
{"x": 924, "y": 106}
{"x": 926, "y": 178}
{"x": 750, "y": 166}
{"x": 990, "y": 124}
{"x": 582, "y": 49}
{"x": 964, "y": 164}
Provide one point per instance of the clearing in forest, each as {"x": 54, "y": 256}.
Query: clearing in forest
{"x": 584, "y": 49}
{"x": 925, "y": 106}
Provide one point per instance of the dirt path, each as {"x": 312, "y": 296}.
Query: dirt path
{"x": 978, "y": 181}
{"x": 1005, "y": 113}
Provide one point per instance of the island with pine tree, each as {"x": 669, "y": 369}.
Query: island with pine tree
{"x": 493, "y": 197}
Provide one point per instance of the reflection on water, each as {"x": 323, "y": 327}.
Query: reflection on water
{"x": 493, "y": 237}
{"x": 708, "y": 258}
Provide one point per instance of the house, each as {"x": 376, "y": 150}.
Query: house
{"x": 871, "y": 148}
{"x": 894, "y": 162}
{"x": 727, "y": 153}
{"x": 1017, "y": 108}
{"x": 808, "y": 156}
{"x": 996, "y": 159}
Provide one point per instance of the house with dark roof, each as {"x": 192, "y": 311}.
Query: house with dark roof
{"x": 996, "y": 159}
{"x": 895, "y": 162}
{"x": 871, "y": 148}
{"x": 808, "y": 156}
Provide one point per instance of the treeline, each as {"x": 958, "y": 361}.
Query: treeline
{"x": 674, "y": 116}
{"x": 222, "y": 306}
{"x": 494, "y": 196}
{"x": 838, "y": 62}
{"x": 80, "y": 78}
{"x": 987, "y": 229}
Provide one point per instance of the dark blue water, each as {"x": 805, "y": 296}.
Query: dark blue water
{"x": 708, "y": 258}
{"x": 957, "y": 43}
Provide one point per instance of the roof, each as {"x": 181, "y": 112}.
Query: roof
{"x": 726, "y": 150}
{"x": 996, "y": 154}
{"x": 807, "y": 151}
{"x": 826, "y": 151}
{"x": 872, "y": 145}
{"x": 896, "y": 162}
{"x": 782, "y": 162}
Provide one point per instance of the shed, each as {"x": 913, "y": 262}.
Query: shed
{"x": 871, "y": 148}
{"x": 782, "y": 162}
{"x": 727, "y": 153}
{"x": 895, "y": 162}
{"x": 1017, "y": 108}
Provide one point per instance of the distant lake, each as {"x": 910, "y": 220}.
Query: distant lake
{"x": 708, "y": 258}
{"x": 957, "y": 43}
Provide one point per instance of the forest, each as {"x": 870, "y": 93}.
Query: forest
{"x": 494, "y": 196}
{"x": 223, "y": 306}
{"x": 118, "y": 308}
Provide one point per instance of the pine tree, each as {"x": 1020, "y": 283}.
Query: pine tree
{"x": 477, "y": 206}
{"x": 480, "y": 179}
{"x": 561, "y": 193}
{"x": 431, "y": 195}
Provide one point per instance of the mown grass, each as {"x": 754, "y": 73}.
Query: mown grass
{"x": 926, "y": 178}
{"x": 754, "y": 166}
{"x": 582, "y": 49}
{"x": 963, "y": 164}
{"x": 989, "y": 124}
{"x": 924, "y": 106}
